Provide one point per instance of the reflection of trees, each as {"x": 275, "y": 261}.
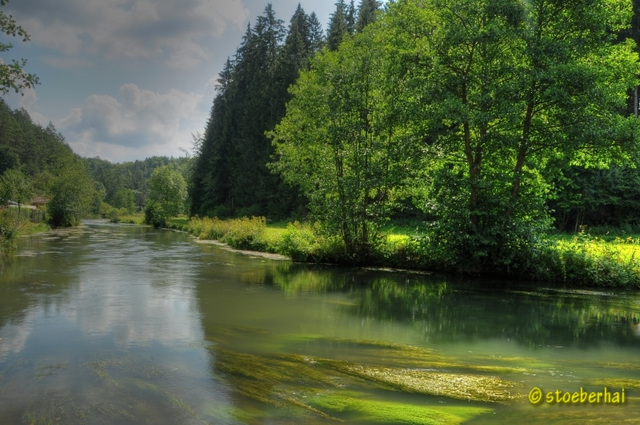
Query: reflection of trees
{"x": 258, "y": 365}
{"x": 449, "y": 312}
{"x": 457, "y": 311}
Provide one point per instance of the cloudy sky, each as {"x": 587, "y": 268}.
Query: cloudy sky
{"x": 129, "y": 79}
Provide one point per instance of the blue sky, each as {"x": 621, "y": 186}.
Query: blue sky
{"x": 130, "y": 79}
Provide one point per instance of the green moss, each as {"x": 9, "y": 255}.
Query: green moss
{"x": 385, "y": 412}
{"x": 453, "y": 385}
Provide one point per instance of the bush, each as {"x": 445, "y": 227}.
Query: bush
{"x": 299, "y": 242}
{"x": 155, "y": 215}
{"x": 245, "y": 233}
{"x": 8, "y": 230}
{"x": 240, "y": 233}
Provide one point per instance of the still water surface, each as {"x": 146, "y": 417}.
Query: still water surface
{"x": 116, "y": 324}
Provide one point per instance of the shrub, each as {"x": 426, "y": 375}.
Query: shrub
{"x": 245, "y": 233}
{"x": 8, "y": 230}
{"x": 240, "y": 233}
{"x": 299, "y": 242}
{"x": 155, "y": 215}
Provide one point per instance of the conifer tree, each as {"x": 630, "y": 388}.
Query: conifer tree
{"x": 338, "y": 26}
{"x": 366, "y": 13}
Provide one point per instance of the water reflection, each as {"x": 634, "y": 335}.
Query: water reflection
{"x": 447, "y": 310}
{"x": 129, "y": 325}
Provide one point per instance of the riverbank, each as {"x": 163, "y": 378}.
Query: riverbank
{"x": 13, "y": 226}
{"x": 578, "y": 260}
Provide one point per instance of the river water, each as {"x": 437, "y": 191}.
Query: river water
{"x": 117, "y": 324}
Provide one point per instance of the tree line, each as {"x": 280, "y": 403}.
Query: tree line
{"x": 36, "y": 164}
{"x": 492, "y": 120}
{"x": 230, "y": 175}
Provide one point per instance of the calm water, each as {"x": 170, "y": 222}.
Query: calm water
{"x": 116, "y": 324}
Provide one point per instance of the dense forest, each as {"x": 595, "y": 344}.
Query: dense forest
{"x": 490, "y": 121}
{"x": 231, "y": 176}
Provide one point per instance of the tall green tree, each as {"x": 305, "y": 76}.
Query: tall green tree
{"x": 339, "y": 143}
{"x": 230, "y": 176}
{"x": 506, "y": 86}
{"x": 72, "y": 195}
{"x": 338, "y": 26}
{"x": 367, "y": 14}
{"x": 168, "y": 188}
{"x": 125, "y": 198}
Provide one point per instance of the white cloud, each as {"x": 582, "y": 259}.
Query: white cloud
{"x": 139, "y": 123}
{"x": 174, "y": 30}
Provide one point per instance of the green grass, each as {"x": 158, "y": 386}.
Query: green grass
{"x": 178, "y": 223}
{"x": 28, "y": 228}
{"x": 137, "y": 218}
{"x": 579, "y": 260}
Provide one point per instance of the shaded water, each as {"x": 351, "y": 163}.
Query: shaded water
{"x": 116, "y": 324}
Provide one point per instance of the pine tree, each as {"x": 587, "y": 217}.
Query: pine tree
{"x": 338, "y": 26}
{"x": 316, "y": 36}
{"x": 366, "y": 13}
{"x": 230, "y": 175}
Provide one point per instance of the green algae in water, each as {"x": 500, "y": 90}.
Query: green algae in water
{"x": 452, "y": 385}
{"x": 386, "y": 412}
{"x": 320, "y": 386}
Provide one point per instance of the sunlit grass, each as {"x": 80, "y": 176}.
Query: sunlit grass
{"x": 136, "y": 218}
{"x": 566, "y": 259}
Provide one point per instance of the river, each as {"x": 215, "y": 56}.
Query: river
{"x": 119, "y": 324}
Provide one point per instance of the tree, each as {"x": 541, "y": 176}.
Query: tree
{"x": 339, "y": 144}
{"x": 12, "y": 75}
{"x": 366, "y": 14}
{"x": 167, "y": 194}
{"x": 16, "y": 186}
{"x": 124, "y": 198}
{"x": 230, "y": 176}
{"x": 506, "y": 86}
{"x": 338, "y": 26}
{"x": 72, "y": 195}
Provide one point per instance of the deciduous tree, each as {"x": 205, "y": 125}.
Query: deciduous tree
{"x": 12, "y": 75}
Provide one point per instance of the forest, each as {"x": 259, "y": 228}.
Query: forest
{"x": 485, "y": 125}
{"x": 490, "y": 123}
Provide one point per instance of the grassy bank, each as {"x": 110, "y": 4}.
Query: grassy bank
{"x": 13, "y": 225}
{"x": 577, "y": 260}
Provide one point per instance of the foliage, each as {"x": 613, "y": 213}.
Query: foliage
{"x": 8, "y": 230}
{"x": 492, "y": 97}
{"x": 167, "y": 189}
{"x": 583, "y": 260}
{"x": 15, "y": 186}
{"x": 230, "y": 175}
{"x": 240, "y": 233}
{"x": 507, "y": 87}
{"x": 576, "y": 261}
{"x": 597, "y": 197}
{"x": 72, "y": 194}
{"x": 28, "y": 145}
{"x": 338, "y": 142}
{"x": 155, "y": 214}
{"x": 12, "y": 75}
{"x": 119, "y": 180}
{"x": 124, "y": 199}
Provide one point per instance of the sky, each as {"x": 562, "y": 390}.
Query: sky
{"x": 124, "y": 80}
